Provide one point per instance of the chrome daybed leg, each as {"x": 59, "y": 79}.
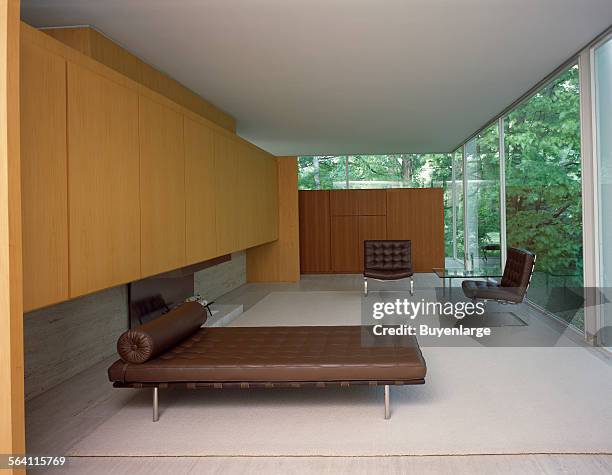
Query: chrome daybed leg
{"x": 155, "y": 404}
{"x": 365, "y": 286}
{"x": 387, "y": 412}
{"x": 411, "y": 286}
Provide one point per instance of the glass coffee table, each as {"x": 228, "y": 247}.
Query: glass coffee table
{"x": 462, "y": 273}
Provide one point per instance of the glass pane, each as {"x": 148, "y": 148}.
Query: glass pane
{"x": 603, "y": 108}
{"x": 543, "y": 193}
{"x": 321, "y": 173}
{"x": 380, "y": 171}
{"x": 482, "y": 175}
{"x": 408, "y": 170}
{"x": 459, "y": 241}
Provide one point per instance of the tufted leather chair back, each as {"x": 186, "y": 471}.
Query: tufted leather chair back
{"x": 387, "y": 255}
{"x": 518, "y": 270}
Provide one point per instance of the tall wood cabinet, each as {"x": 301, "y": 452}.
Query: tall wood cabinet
{"x": 103, "y": 182}
{"x": 120, "y": 183}
{"x": 315, "y": 229}
{"x": 335, "y": 223}
{"x": 43, "y": 176}
{"x": 228, "y": 202}
{"x": 162, "y": 188}
{"x": 200, "y": 200}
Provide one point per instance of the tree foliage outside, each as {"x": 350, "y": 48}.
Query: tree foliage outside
{"x": 543, "y": 185}
{"x": 542, "y": 182}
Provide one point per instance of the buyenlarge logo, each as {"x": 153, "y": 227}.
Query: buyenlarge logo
{"x": 410, "y": 309}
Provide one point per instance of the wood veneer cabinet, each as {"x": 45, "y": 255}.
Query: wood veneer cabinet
{"x": 104, "y": 203}
{"x": 334, "y": 224}
{"x": 315, "y": 230}
{"x": 227, "y": 193}
{"x": 357, "y": 202}
{"x": 120, "y": 183}
{"x": 262, "y": 201}
{"x": 162, "y": 188}
{"x": 418, "y": 214}
{"x": 345, "y": 243}
{"x": 43, "y": 177}
{"x": 200, "y": 200}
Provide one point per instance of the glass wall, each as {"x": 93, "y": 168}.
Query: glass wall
{"x": 482, "y": 199}
{"x": 322, "y": 173}
{"x": 543, "y": 192}
{"x": 603, "y": 127}
{"x": 458, "y": 241}
{"x": 542, "y": 187}
{"x": 410, "y": 170}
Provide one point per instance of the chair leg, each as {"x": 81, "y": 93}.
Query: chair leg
{"x": 387, "y": 411}
{"x": 155, "y": 404}
{"x": 411, "y": 286}
{"x": 365, "y": 286}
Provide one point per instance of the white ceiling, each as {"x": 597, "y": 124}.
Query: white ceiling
{"x": 346, "y": 76}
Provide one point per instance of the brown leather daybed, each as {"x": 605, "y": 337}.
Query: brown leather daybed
{"x": 174, "y": 350}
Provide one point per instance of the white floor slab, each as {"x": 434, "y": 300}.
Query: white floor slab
{"x": 476, "y": 400}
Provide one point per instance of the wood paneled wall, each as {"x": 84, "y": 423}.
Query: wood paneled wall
{"x": 279, "y": 261}
{"x": 12, "y": 423}
{"x": 101, "y": 48}
{"x": 315, "y": 232}
{"x": 103, "y": 182}
{"x": 334, "y": 224}
{"x": 418, "y": 214}
{"x": 162, "y": 188}
{"x": 45, "y": 182}
{"x": 143, "y": 186}
{"x": 200, "y": 228}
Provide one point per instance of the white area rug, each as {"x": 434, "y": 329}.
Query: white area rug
{"x": 476, "y": 401}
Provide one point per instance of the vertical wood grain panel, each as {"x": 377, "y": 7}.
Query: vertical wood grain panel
{"x": 418, "y": 215}
{"x": 12, "y": 419}
{"x": 358, "y": 202}
{"x": 104, "y": 208}
{"x": 162, "y": 188}
{"x": 44, "y": 177}
{"x": 345, "y": 244}
{"x": 315, "y": 251}
{"x": 201, "y": 231}
{"x": 227, "y": 193}
{"x": 279, "y": 261}
{"x": 245, "y": 214}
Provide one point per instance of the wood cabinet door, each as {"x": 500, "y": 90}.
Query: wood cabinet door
{"x": 345, "y": 244}
{"x": 267, "y": 199}
{"x": 227, "y": 193}
{"x": 358, "y": 202}
{"x": 315, "y": 231}
{"x": 44, "y": 180}
{"x": 418, "y": 214}
{"x": 162, "y": 187}
{"x": 370, "y": 227}
{"x": 103, "y": 184}
{"x": 200, "y": 225}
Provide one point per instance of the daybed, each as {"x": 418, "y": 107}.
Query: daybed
{"x": 174, "y": 350}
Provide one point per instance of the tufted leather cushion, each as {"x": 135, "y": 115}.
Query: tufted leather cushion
{"x": 388, "y": 259}
{"x": 147, "y": 341}
{"x": 519, "y": 266}
{"x": 514, "y": 283}
{"x": 479, "y": 289}
{"x": 273, "y": 354}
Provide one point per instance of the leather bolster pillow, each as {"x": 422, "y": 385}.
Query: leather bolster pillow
{"x": 153, "y": 338}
